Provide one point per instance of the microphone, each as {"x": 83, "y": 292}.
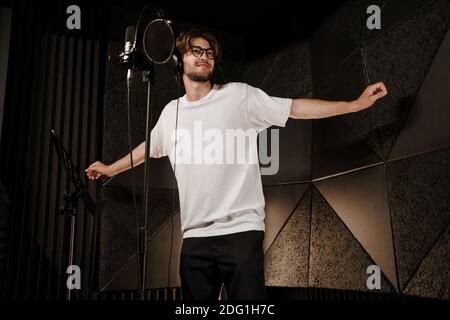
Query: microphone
{"x": 126, "y": 57}
{"x": 129, "y": 46}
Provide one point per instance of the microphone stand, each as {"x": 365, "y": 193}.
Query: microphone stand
{"x": 137, "y": 62}
{"x": 134, "y": 62}
{"x": 147, "y": 76}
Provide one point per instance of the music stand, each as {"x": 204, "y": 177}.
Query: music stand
{"x": 70, "y": 207}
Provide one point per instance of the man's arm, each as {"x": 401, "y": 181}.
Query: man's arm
{"x": 97, "y": 169}
{"x": 316, "y": 109}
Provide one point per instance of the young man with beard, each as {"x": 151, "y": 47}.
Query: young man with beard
{"x": 222, "y": 205}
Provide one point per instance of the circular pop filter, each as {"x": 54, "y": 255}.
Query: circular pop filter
{"x": 159, "y": 41}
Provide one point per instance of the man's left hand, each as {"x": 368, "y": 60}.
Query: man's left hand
{"x": 371, "y": 94}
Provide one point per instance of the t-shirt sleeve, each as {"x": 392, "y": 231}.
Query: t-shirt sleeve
{"x": 157, "y": 139}
{"x": 263, "y": 110}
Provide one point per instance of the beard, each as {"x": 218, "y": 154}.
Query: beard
{"x": 199, "y": 77}
{"x": 196, "y": 75}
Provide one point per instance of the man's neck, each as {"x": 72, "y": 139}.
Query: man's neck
{"x": 196, "y": 90}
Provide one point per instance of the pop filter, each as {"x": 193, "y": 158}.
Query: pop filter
{"x": 159, "y": 41}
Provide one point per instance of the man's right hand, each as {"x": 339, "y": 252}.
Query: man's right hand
{"x": 98, "y": 169}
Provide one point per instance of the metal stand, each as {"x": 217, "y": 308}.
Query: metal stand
{"x": 146, "y": 77}
{"x": 71, "y": 209}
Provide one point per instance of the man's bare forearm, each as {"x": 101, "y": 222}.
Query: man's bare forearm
{"x": 124, "y": 164}
{"x": 316, "y": 109}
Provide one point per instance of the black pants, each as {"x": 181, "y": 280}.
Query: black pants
{"x": 235, "y": 259}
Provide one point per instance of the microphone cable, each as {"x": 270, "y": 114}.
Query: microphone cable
{"x": 368, "y": 82}
{"x": 174, "y": 190}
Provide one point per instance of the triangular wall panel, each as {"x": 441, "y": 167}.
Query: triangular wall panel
{"x": 432, "y": 279}
{"x": 360, "y": 199}
{"x": 337, "y": 260}
{"x": 158, "y": 258}
{"x": 426, "y": 127}
{"x": 420, "y": 206}
{"x": 280, "y": 203}
{"x": 286, "y": 262}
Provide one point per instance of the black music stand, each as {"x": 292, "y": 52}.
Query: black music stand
{"x": 70, "y": 207}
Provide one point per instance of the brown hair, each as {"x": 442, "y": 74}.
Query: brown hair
{"x": 183, "y": 42}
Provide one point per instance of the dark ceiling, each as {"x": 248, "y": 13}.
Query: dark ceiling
{"x": 265, "y": 26}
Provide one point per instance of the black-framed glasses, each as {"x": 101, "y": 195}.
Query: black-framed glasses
{"x": 198, "y": 52}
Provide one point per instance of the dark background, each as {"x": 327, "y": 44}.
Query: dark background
{"x": 352, "y": 191}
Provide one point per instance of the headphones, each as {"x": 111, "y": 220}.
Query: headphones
{"x": 178, "y": 65}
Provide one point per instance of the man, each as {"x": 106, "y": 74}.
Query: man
{"x": 222, "y": 204}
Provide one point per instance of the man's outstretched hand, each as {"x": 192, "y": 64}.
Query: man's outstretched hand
{"x": 98, "y": 169}
{"x": 371, "y": 94}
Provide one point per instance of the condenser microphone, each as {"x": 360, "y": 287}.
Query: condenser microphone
{"x": 129, "y": 44}
{"x": 126, "y": 57}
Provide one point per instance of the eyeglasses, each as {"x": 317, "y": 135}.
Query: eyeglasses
{"x": 198, "y": 52}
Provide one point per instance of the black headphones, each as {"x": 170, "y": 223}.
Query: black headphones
{"x": 178, "y": 63}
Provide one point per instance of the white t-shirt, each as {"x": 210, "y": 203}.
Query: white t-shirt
{"x": 217, "y": 171}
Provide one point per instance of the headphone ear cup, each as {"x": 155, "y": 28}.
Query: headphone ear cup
{"x": 178, "y": 64}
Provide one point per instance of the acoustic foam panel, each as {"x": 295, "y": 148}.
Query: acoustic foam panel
{"x": 337, "y": 149}
{"x": 291, "y": 63}
{"x": 286, "y": 261}
{"x": 361, "y": 201}
{"x": 432, "y": 279}
{"x": 257, "y": 69}
{"x": 411, "y": 45}
{"x": 337, "y": 260}
{"x": 419, "y": 200}
{"x": 323, "y": 64}
{"x": 426, "y": 127}
{"x": 280, "y": 203}
{"x": 393, "y": 12}
{"x": 348, "y": 20}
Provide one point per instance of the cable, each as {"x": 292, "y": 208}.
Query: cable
{"x": 367, "y": 78}
{"x": 174, "y": 172}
